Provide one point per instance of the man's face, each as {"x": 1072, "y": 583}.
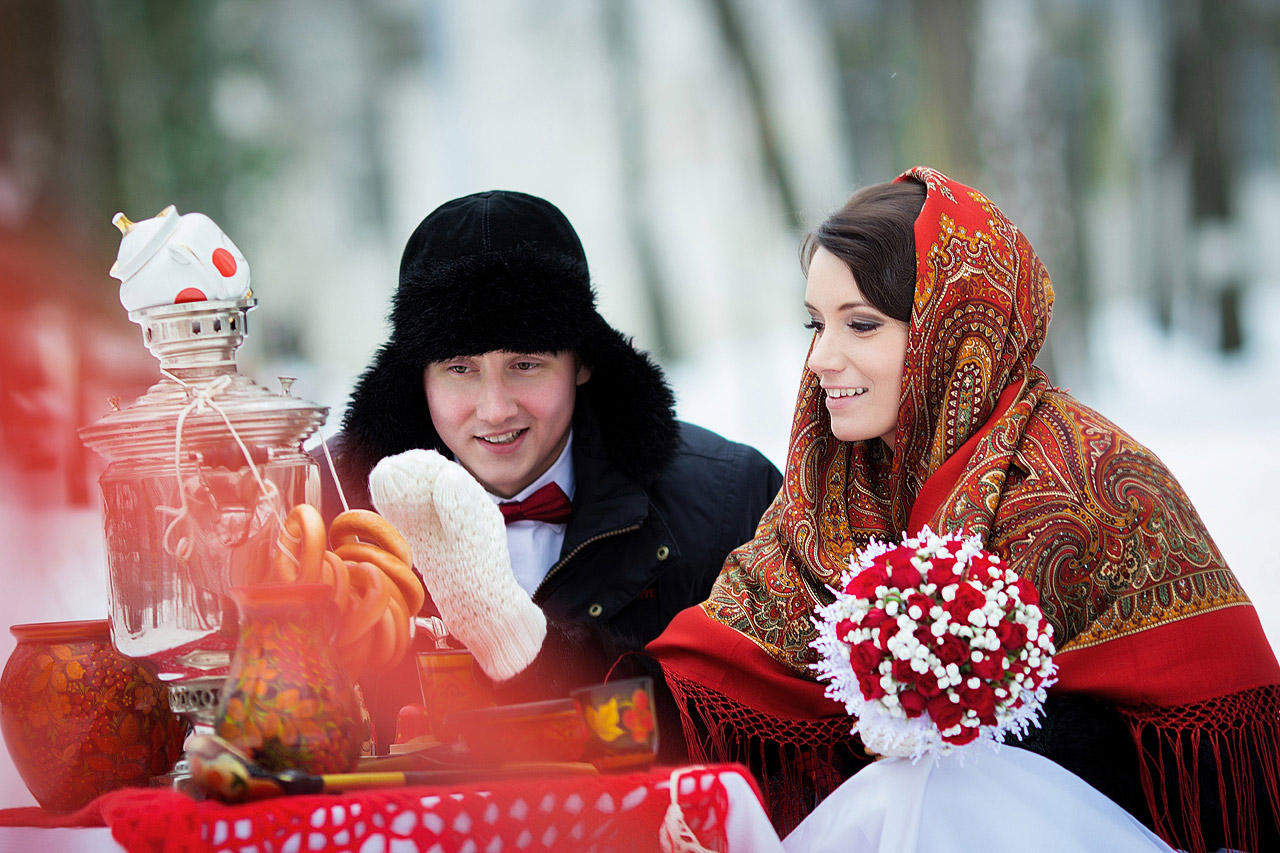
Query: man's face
{"x": 505, "y": 415}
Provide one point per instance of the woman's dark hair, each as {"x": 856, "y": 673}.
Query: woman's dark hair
{"x": 874, "y": 234}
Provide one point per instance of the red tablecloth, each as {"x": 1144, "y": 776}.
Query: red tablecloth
{"x": 590, "y": 813}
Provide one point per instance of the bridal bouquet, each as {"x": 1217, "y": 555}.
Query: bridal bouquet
{"x": 933, "y": 644}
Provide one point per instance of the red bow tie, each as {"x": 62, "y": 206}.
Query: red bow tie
{"x": 547, "y": 504}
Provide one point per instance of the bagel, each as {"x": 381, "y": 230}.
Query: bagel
{"x": 354, "y": 656}
{"x": 384, "y": 642}
{"x": 369, "y": 595}
{"x": 404, "y": 632}
{"x": 334, "y": 572}
{"x": 397, "y": 571}
{"x": 365, "y": 525}
{"x": 301, "y": 545}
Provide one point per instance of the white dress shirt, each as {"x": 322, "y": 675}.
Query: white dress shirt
{"x": 535, "y": 545}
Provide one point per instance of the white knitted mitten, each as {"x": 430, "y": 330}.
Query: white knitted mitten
{"x": 460, "y": 545}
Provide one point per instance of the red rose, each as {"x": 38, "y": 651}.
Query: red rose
{"x": 844, "y": 628}
{"x": 989, "y": 668}
{"x": 979, "y": 565}
{"x": 870, "y": 686}
{"x": 965, "y": 735}
{"x": 981, "y": 700}
{"x": 951, "y": 649}
{"x": 944, "y": 712}
{"x": 864, "y": 583}
{"x": 919, "y": 599}
{"x": 912, "y": 702}
{"x": 1012, "y": 636}
{"x": 886, "y": 632}
{"x": 865, "y": 657}
{"x": 1027, "y": 591}
{"x": 874, "y": 618}
{"x": 923, "y": 635}
{"x": 902, "y": 572}
{"x": 968, "y": 598}
{"x": 903, "y": 672}
{"x": 943, "y": 572}
{"x": 927, "y": 685}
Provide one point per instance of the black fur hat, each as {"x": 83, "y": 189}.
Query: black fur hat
{"x": 492, "y": 271}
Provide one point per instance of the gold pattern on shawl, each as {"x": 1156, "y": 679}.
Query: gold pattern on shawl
{"x": 973, "y": 287}
{"x": 1104, "y": 530}
{"x": 1067, "y": 499}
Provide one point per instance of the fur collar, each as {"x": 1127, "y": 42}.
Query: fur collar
{"x": 627, "y": 395}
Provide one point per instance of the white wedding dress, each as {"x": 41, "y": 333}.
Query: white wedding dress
{"x": 1011, "y": 800}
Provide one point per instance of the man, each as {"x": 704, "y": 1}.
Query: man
{"x": 499, "y": 360}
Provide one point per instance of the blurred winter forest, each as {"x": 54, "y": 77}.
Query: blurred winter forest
{"x": 691, "y": 142}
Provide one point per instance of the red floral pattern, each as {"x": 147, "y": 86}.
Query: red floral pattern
{"x": 79, "y": 718}
{"x": 619, "y": 720}
{"x": 287, "y": 702}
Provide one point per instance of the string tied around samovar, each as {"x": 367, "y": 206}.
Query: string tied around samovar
{"x": 333, "y": 472}
{"x": 203, "y": 399}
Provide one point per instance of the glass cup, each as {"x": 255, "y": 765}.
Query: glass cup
{"x": 621, "y": 723}
{"x": 448, "y": 686}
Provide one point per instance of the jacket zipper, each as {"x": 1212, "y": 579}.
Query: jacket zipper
{"x": 567, "y": 557}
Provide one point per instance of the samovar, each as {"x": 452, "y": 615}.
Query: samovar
{"x": 202, "y": 467}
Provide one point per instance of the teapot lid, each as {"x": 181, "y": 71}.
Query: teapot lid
{"x": 141, "y": 240}
{"x": 201, "y": 392}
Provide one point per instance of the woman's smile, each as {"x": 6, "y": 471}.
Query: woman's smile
{"x": 844, "y": 393}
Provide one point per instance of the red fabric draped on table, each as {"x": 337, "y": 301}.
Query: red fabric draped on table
{"x": 560, "y": 813}
{"x": 1146, "y": 613}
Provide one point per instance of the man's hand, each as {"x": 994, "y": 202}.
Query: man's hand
{"x": 459, "y": 544}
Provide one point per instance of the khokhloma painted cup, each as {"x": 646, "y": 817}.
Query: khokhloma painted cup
{"x": 620, "y": 720}
{"x": 288, "y": 703}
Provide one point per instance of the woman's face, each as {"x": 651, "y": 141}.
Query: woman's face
{"x": 858, "y": 355}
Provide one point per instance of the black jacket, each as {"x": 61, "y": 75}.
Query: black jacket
{"x": 642, "y": 544}
{"x": 638, "y": 552}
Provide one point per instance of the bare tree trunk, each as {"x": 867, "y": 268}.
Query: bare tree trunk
{"x": 1024, "y": 143}
{"x": 732, "y": 31}
{"x": 947, "y": 76}
{"x": 1202, "y": 119}
{"x": 617, "y": 15}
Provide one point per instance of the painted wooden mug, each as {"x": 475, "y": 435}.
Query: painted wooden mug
{"x": 288, "y": 703}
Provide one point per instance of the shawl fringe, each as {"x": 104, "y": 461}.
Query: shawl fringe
{"x": 1213, "y": 763}
{"x": 796, "y": 762}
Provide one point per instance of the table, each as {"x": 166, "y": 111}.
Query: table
{"x": 719, "y": 803}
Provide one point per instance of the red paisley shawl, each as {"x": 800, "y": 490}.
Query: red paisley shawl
{"x": 1145, "y": 612}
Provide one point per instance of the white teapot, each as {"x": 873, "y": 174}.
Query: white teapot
{"x": 171, "y": 258}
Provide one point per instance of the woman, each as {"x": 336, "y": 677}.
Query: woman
{"x": 921, "y": 405}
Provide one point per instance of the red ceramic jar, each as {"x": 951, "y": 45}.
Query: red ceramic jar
{"x": 81, "y": 719}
